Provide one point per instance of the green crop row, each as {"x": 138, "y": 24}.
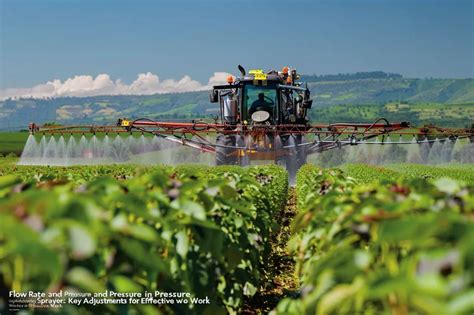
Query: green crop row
{"x": 464, "y": 172}
{"x": 84, "y": 174}
{"x": 198, "y": 230}
{"x": 312, "y": 182}
{"x": 78, "y": 174}
{"x": 403, "y": 247}
{"x": 364, "y": 173}
{"x": 274, "y": 180}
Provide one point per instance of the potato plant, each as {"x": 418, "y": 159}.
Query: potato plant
{"x": 368, "y": 173}
{"x": 403, "y": 247}
{"x": 202, "y": 230}
{"x": 463, "y": 172}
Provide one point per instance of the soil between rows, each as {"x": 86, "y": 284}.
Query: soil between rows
{"x": 280, "y": 280}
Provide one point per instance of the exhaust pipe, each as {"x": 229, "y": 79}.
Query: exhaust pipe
{"x": 242, "y": 70}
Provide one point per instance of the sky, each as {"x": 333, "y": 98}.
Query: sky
{"x": 49, "y": 47}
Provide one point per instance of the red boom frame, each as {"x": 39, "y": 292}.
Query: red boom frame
{"x": 327, "y": 136}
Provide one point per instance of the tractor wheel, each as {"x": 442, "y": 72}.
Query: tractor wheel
{"x": 224, "y": 151}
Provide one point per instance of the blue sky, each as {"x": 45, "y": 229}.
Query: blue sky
{"x": 43, "y": 40}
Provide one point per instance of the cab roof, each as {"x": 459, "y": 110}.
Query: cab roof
{"x": 269, "y": 77}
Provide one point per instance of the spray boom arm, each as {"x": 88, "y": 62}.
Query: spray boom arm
{"x": 325, "y": 136}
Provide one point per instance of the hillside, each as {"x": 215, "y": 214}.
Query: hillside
{"x": 418, "y": 114}
{"x": 437, "y": 96}
{"x": 380, "y": 91}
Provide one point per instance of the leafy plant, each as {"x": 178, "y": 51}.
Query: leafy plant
{"x": 202, "y": 230}
{"x": 400, "y": 247}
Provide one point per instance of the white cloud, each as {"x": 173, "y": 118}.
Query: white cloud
{"x": 86, "y": 85}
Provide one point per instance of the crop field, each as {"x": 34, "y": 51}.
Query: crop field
{"x": 12, "y": 142}
{"x": 419, "y": 113}
{"x": 368, "y": 173}
{"x": 396, "y": 248}
{"x": 358, "y": 239}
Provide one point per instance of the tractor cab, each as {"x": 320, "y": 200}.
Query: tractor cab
{"x": 256, "y": 98}
{"x": 260, "y": 103}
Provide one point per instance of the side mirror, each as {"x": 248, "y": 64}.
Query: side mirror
{"x": 307, "y": 104}
{"x": 214, "y": 96}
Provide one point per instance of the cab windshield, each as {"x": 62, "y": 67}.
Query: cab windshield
{"x": 260, "y": 98}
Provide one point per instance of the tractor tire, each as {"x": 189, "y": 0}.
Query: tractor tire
{"x": 224, "y": 151}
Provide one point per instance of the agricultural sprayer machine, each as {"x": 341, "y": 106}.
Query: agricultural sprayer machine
{"x": 264, "y": 116}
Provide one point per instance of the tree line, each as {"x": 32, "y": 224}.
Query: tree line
{"x": 350, "y": 76}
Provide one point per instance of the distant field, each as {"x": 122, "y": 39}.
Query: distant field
{"x": 447, "y": 115}
{"x": 12, "y": 142}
